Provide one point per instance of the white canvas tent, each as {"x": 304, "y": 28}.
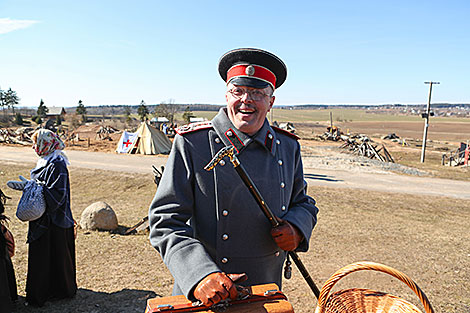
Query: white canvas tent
{"x": 126, "y": 141}
{"x": 150, "y": 141}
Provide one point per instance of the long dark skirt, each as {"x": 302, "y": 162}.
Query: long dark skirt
{"x": 51, "y": 266}
{"x": 8, "y": 291}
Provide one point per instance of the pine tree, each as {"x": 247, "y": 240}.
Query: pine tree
{"x": 18, "y": 119}
{"x": 42, "y": 109}
{"x": 81, "y": 110}
{"x": 142, "y": 111}
{"x": 11, "y": 99}
{"x": 127, "y": 114}
{"x": 37, "y": 119}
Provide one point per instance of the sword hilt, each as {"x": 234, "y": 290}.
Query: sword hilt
{"x": 226, "y": 151}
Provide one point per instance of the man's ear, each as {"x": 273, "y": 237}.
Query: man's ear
{"x": 271, "y": 102}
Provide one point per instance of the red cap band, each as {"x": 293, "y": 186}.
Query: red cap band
{"x": 252, "y": 71}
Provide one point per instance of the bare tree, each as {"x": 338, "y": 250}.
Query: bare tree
{"x": 167, "y": 109}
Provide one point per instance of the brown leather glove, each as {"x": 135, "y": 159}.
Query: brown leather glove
{"x": 286, "y": 236}
{"x": 218, "y": 286}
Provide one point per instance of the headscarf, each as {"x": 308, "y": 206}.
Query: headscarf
{"x": 48, "y": 146}
{"x": 46, "y": 142}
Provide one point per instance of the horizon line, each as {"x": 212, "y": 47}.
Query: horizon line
{"x": 275, "y": 105}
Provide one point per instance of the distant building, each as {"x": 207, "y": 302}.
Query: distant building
{"x": 196, "y": 119}
{"x": 54, "y": 112}
{"x": 158, "y": 121}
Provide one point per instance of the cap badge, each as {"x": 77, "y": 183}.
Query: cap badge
{"x": 250, "y": 70}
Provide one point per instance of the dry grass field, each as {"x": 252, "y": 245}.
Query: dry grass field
{"x": 444, "y": 134}
{"x": 425, "y": 237}
{"x": 314, "y": 122}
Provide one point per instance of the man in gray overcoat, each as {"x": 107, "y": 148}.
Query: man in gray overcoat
{"x": 206, "y": 225}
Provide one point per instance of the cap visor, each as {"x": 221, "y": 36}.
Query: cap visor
{"x": 249, "y": 82}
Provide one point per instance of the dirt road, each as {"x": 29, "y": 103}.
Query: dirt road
{"x": 95, "y": 160}
{"x": 329, "y": 176}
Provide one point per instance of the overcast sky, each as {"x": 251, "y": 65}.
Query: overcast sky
{"x": 122, "y": 52}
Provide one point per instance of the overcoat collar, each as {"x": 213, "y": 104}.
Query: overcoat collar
{"x": 230, "y": 135}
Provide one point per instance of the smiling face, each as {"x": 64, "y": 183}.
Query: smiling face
{"x": 246, "y": 114}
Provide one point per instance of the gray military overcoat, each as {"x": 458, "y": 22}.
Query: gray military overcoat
{"x": 203, "y": 222}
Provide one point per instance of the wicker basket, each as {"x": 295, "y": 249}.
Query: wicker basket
{"x": 368, "y": 301}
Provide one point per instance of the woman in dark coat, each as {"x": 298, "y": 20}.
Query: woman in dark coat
{"x": 8, "y": 291}
{"x": 51, "y": 254}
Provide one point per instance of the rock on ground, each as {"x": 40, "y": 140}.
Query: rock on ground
{"x": 99, "y": 216}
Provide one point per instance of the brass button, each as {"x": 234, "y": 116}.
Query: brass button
{"x": 224, "y": 237}
{"x": 224, "y": 260}
{"x": 277, "y": 253}
{"x": 280, "y": 162}
{"x": 283, "y": 185}
{"x": 270, "y": 136}
{"x": 278, "y": 141}
{"x": 283, "y": 208}
{"x": 217, "y": 140}
{"x": 224, "y": 212}
{"x": 222, "y": 162}
{"x": 229, "y": 133}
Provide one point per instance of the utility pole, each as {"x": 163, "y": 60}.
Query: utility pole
{"x": 331, "y": 122}
{"x": 426, "y": 122}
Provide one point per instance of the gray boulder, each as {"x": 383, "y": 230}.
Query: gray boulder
{"x": 98, "y": 216}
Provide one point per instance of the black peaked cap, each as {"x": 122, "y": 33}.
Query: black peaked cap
{"x": 256, "y": 57}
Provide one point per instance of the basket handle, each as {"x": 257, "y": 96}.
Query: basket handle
{"x": 359, "y": 266}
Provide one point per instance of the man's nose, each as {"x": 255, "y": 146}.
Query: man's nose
{"x": 246, "y": 97}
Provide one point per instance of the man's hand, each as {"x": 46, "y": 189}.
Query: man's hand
{"x": 286, "y": 236}
{"x": 218, "y": 286}
{"x": 17, "y": 185}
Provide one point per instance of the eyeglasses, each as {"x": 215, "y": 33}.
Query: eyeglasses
{"x": 255, "y": 95}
